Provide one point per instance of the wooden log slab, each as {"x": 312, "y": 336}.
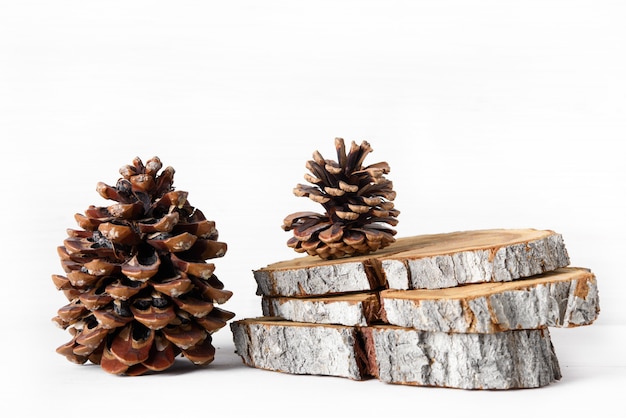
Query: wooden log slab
{"x": 566, "y": 297}
{"x": 356, "y": 309}
{"x": 312, "y": 276}
{"x": 299, "y": 348}
{"x": 424, "y": 261}
{"x": 453, "y": 259}
{"x": 505, "y": 360}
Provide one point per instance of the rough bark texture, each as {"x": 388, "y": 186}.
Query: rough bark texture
{"x": 327, "y": 277}
{"x": 297, "y": 348}
{"x": 567, "y": 297}
{"x": 479, "y": 256}
{"x": 505, "y": 360}
{"x": 425, "y": 261}
{"x": 352, "y": 310}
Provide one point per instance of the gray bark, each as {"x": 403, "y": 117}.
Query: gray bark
{"x": 351, "y": 310}
{"x": 505, "y": 360}
{"x": 565, "y": 298}
{"x": 299, "y": 348}
{"x": 421, "y": 262}
{"x": 493, "y": 262}
{"x": 346, "y": 276}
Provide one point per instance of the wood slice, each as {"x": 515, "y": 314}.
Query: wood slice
{"x": 505, "y": 360}
{"x": 299, "y": 348}
{"x": 566, "y": 297}
{"x": 425, "y": 261}
{"x": 357, "y": 309}
{"x": 312, "y": 276}
{"x": 499, "y": 255}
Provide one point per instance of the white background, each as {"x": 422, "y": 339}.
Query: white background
{"x": 492, "y": 114}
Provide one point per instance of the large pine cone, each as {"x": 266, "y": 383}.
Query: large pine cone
{"x": 358, "y": 202}
{"x": 139, "y": 288}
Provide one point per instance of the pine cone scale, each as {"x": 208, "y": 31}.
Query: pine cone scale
{"x": 131, "y": 346}
{"x": 111, "y": 364}
{"x": 174, "y": 244}
{"x": 164, "y": 224}
{"x": 154, "y": 318}
{"x": 162, "y": 355}
{"x": 93, "y": 300}
{"x": 141, "y": 270}
{"x": 202, "y": 353}
{"x": 124, "y": 289}
{"x": 93, "y": 338}
{"x": 174, "y": 287}
{"x": 194, "y": 306}
{"x": 185, "y": 336}
{"x": 107, "y": 318}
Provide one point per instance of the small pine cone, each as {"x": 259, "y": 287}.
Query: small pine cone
{"x": 358, "y": 202}
{"x": 140, "y": 291}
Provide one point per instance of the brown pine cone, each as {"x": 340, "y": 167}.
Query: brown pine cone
{"x": 358, "y": 202}
{"x": 140, "y": 291}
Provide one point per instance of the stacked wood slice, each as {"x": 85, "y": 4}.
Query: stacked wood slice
{"x": 468, "y": 310}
